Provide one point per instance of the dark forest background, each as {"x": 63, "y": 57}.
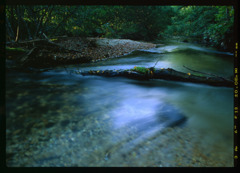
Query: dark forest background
{"x": 211, "y": 25}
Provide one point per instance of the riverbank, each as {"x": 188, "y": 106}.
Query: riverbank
{"x": 72, "y": 50}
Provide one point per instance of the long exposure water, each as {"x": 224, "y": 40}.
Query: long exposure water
{"x": 59, "y": 118}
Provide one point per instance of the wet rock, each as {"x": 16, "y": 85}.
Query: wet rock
{"x": 171, "y": 116}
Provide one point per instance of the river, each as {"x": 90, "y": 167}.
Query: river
{"x": 59, "y": 118}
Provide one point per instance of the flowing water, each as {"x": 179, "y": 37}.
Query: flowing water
{"x": 59, "y": 118}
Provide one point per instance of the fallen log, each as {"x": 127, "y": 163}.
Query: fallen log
{"x": 166, "y": 74}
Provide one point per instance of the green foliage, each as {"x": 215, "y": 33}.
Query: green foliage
{"x": 144, "y": 22}
{"x": 208, "y": 24}
{"x": 133, "y": 22}
{"x": 220, "y": 33}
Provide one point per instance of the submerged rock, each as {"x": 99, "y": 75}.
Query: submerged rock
{"x": 166, "y": 116}
{"x": 170, "y": 116}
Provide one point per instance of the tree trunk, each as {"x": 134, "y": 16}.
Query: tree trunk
{"x": 16, "y": 40}
{"x": 19, "y": 23}
{"x": 9, "y": 29}
{"x": 166, "y": 74}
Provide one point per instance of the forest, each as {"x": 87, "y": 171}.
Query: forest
{"x": 211, "y": 25}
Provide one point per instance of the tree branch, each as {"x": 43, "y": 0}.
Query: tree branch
{"x": 40, "y": 22}
{"x": 208, "y": 74}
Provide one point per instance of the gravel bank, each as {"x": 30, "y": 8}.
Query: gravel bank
{"x": 95, "y": 49}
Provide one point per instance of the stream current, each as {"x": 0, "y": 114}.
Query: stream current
{"x": 59, "y": 118}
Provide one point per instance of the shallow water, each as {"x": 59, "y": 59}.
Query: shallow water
{"x": 58, "y": 118}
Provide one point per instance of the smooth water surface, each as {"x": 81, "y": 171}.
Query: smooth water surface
{"x": 59, "y": 118}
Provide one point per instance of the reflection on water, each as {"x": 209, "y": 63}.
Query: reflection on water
{"x": 60, "y": 119}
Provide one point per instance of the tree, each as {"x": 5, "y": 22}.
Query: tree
{"x": 209, "y": 24}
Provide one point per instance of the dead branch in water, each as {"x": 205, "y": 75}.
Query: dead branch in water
{"x": 208, "y": 74}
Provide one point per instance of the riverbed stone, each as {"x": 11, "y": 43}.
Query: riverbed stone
{"x": 171, "y": 116}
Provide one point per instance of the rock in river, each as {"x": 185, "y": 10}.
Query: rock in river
{"x": 170, "y": 116}
{"x": 165, "y": 116}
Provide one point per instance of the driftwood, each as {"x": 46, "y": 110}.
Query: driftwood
{"x": 166, "y": 74}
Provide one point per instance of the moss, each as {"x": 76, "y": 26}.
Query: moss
{"x": 12, "y": 49}
{"x": 142, "y": 70}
